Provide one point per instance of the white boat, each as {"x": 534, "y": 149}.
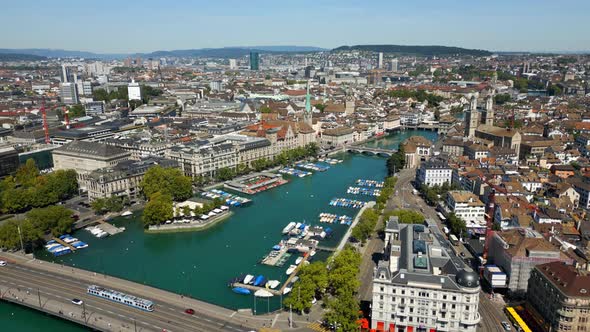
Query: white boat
{"x": 289, "y": 227}
{"x": 286, "y": 290}
{"x": 291, "y": 269}
{"x": 126, "y": 213}
{"x": 263, "y": 293}
{"x": 273, "y": 283}
{"x": 311, "y": 253}
{"x": 248, "y": 279}
{"x": 298, "y": 260}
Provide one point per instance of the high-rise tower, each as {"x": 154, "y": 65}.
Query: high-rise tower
{"x": 471, "y": 118}
{"x": 254, "y": 61}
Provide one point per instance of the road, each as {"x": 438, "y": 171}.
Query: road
{"x": 59, "y": 288}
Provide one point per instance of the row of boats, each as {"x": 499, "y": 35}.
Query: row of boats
{"x": 370, "y": 183}
{"x": 58, "y": 249}
{"x": 363, "y": 191}
{"x": 348, "y": 203}
{"x": 313, "y": 167}
{"x": 330, "y": 161}
{"x": 96, "y": 231}
{"x": 296, "y": 229}
{"x": 230, "y": 199}
{"x": 294, "y": 172}
{"x": 331, "y": 218}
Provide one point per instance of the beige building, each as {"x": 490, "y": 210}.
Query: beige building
{"x": 561, "y": 295}
{"x": 417, "y": 149}
{"x": 337, "y": 137}
{"x": 85, "y": 157}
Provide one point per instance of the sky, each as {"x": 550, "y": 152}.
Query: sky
{"x": 127, "y": 26}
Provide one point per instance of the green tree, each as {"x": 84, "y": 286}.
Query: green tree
{"x": 168, "y": 181}
{"x": 313, "y": 280}
{"x": 265, "y": 109}
{"x": 502, "y": 98}
{"x": 225, "y": 173}
{"x": 55, "y": 219}
{"x": 76, "y": 111}
{"x": 408, "y": 216}
{"x": 343, "y": 312}
{"x": 101, "y": 95}
{"x": 397, "y": 161}
{"x": 456, "y": 225}
{"x": 158, "y": 209}
{"x": 320, "y": 107}
{"x": 26, "y": 175}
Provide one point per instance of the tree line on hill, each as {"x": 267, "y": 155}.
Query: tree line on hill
{"x": 415, "y": 50}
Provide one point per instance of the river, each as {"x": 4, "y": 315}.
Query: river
{"x": 199, "y": 264}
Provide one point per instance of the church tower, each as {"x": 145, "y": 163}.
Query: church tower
{"x": 471, "y": 118}
{"x": 349, "y": 103}
{"x": 489, "y": 120}
{"x": 307, "y": 115}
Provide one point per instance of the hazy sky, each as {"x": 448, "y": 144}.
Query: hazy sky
{"x": 141, "y": 26}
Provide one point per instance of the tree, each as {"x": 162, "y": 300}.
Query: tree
{"x": 397, "y": 161}
{"x": 436, "y": 114}
{"x": 456, "y": 225}
{"x": 55, "y": 219}
{"x": 408, "y": 216}
{"x": 343, "y": 312}
{"x": 554, "y": 90}
{"x": 101, "y": 95}
{"x": 313, "y": 280}
{"x": 168, "y": 181}
{"x": 76, "y": 111}
{"x": 320, "y": 107}
{"x": 158, "y": 209}
{"x": 26, "y": 175}
{"x": 502, "y": 98}
{"x": 225, "y": 173}
{"x": 265, "y": 109}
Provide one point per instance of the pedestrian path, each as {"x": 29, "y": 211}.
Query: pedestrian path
{"x": 317, "y": 327}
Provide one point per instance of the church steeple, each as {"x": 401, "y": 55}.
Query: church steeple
{"x": 307, "y": 116}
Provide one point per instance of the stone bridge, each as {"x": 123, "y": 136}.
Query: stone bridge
{"x": 369, "y": 150}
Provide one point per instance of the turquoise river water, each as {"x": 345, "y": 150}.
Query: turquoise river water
{"x": 199, "y": 264}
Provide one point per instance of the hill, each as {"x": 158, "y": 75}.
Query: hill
{"x": 20, "y": 57}
{"x": 415, "y": 50}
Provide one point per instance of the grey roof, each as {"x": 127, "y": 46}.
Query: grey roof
{"x": 93, "y": 149}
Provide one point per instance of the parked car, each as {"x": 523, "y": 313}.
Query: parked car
{"x": 3, "y": 263}
{"x": 77, "y": 302}
{"x": 506, "y": 326}
{"x": 189, "y": 311}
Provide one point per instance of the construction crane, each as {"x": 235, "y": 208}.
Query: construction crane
{"x": 66, "y": 117}
{"x": 45, "y": 126}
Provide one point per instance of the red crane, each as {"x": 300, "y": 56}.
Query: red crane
{"x": 45, "y": 126}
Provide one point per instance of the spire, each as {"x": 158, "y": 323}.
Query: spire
{"x": 307, "y": 100}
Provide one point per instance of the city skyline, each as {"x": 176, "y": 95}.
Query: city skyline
{"x": 153, "y": 25}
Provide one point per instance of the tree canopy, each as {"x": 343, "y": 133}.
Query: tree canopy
{"x": 167, "y": 181}
{"x": 397, "y": 161}
{"x": 158, "y": 209}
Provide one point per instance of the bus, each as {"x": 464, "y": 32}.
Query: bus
{"x": 441, "y": 216}
{"x": 516, "y": 320}
{"x": 454, "y": 240}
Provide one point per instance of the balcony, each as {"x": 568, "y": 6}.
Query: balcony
{"x": 564, "y": 313}
{"x": 443, "y": 319}
{"x": 441, "y": 327}
{"x": 471, "y": 321}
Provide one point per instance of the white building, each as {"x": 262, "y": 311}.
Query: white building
{"x": 380, "y": 60}
{"x": 134, "y": 91}
{"x": 233, "y": 64}
{"x": 393, "y": 66}
{"x": 421, "y": 285}
{"x": 68, "y": 93}
{"x": 467, "y": 206}
{"x": 434, "y": 172}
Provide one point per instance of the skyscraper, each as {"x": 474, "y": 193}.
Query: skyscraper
{"x": 134, "y": 90}
{"x": 68, "y": 93}
{"x": 380, "y": 60}
{"x": 232, "y": 64}
{"x": 254, "y": 61}
{"x": 393, "y": 65}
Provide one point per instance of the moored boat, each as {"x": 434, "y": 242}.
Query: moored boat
{"x": 248, "y": 279}
{"x": 263, "y": 293}
{"x": 289, "y": 227}
{"x": 241, "y": 290}
{"x": 126, "y": 213}
{"x": 273, "y": 283}
{"x": 291, "y": 269}
{"x": 258, "y": 280}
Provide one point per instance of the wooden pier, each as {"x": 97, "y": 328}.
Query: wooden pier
{"x": 109, "y": 228}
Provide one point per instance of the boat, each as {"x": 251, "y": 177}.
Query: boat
{"x": 115, "y": 296}
{"x": 241, "y": 290}
{"x": 248, "y": 279}
{"x": 289, "y": 227}
{"x": 286, "y": 290}
{"x": 272, "y": 284}
{"x": 263, "y": 293}
{"x": 298, "y": 260}
{"x": 126, "y": 213}
{"x": 258, "y": 280}
{"x": 291, "y": 269}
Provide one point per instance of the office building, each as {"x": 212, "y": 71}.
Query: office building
{"x": 216, "y": 85}
{"x": 134, "y": 90}
{"x": 393, "y": 65}
{"x": 233, "y": 64}
{"x": 420, "y": 285}
{"x": 95, "y": 107}
{"x": 84, "y": 88}
{"x": 254, "y": 61}
{"x": 380, "y": 60}
{"x": 68, "y": 74}
{"x": 68, "y": 93}
{"x": 560, "y": 293}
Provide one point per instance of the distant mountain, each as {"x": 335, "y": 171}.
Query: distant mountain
{"x": 55, "y": 53}
{"x": 415, "y": 50}
{"x": 20, "y": 57}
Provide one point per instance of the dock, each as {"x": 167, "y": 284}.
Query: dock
{"x": 278, "y": 259}
{"x": 65, "y": 244}
{"x": 109, "y": 228}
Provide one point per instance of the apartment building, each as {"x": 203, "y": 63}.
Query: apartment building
{"x": 434, "y": 172}
{"x": 420, "y": 285}
{"x": 467, "y": 206}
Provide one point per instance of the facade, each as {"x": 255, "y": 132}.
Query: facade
{"x": 337, "y": 137}
{"x": 94, "y": 107}
{"x": 416, "y": 149}
{"x": 421, "y": 286}
{"x": 123, "y": 179}
{"x": 584, "y": 190}
{"x": 134, "y": 91}
{"x": 518, "y": 251}
{"x": 434, "y": 172}
{"x": 204, "y": 160}
{"x": 254, "y": 61}
{"x": 467, "y": 206}
{"x": 561, "y": 295}
{"x": 68, "y": 93}
{"x": 85, "y": 157}
{"x": 9, "y": 161}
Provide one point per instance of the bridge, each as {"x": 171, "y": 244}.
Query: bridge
{"x": 50, "y": 288}
{"x": 369, "y": 150}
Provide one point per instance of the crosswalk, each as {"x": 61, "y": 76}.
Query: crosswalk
{"x": 317, "y": 327}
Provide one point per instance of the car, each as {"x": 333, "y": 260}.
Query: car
{"x": 462, "y": 254}
{"x": 3, "y": 263}
{"x": 77, "y": 301}
{"x": 506, "y": 326}
{"x": 189, "y": 311}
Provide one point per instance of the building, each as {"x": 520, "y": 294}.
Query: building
{"x": 9, "y": 161}
{"x": 420, "y": 285}
{"x": 393, "y": 65}
{"x": 84, "y": 88}
{"x": 467, "y": 206}
{"x": 85, "y": 157}
{"x": 337, "y": 137}
{"x": 123, "y": 179}
{"x": 68, "y": 93}
{"x": 216, "y": 85}
{"x": 94, "y": 107}
{"x": 560, "y": 293}
{"x": 233, "y": 64}
{"x": 204, "y": 160}
{"x": 254, "y": 61}
{"x": 380, "y": 60}
{"x": 434, "y": 173}
{"x": 518, "y": 251}
{"x": 134, "y": 91}
{"x": 583, "y": 188}
{"x": 416, "y": 149}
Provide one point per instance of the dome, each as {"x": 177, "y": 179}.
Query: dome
{"x": 467, "y": 279}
